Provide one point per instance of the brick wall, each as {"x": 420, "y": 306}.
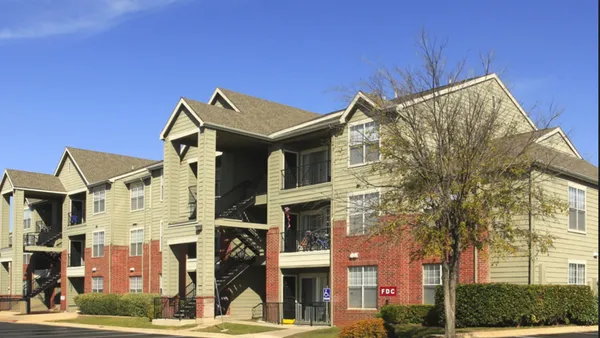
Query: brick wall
{"x": 272, "y": 265}
{"x": 393, "y": 269}
{"x": 64, "y": 283}
{"x": 117, "y": 281}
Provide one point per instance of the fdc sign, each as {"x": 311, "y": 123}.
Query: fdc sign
{"x": 387, "y": 290}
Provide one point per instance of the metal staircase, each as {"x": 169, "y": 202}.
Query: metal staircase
{"x": 186, "y": 308}
{"x": 44, "y": 283}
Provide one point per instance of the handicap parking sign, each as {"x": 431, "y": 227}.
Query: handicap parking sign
{"x": 326, "y": 294}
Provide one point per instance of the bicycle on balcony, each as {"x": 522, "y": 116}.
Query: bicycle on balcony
{"x": 315, "y": 240}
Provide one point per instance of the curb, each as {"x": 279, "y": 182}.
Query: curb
{"x": 523, "y": 332}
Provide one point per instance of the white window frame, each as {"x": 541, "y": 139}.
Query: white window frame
{"x": 134, "y": 189}
{"x": 160, "y": 236}
{"x": 95, "y": 254}
{"x": 363, "y": 287}
{"x": 583, "y": 188}
{"x": 577, "y": 262}
{"x": 427, "y": 284}
{"x": 139, "y": 288}
{"x": 96, "y": 281}
{"x": 141, "y": 243}
{"x": 96, "y": 193}
{"x": 162, "y": 186}
{"x": 349, "y": 143}
{"x": 349, "y": 208}
{"x": 27, "y": 220}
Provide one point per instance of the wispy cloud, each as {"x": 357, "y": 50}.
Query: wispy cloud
{"x": 44, "y": 18}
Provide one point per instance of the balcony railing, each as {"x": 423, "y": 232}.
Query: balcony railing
{"x": 192, "y": 202}
{"x": 75, "y": 261}
{"x": 75, "y": 218}
{"x": 306, "y": 240}
{"x": 40, "y": 226}
{"x": 314, "y": 313}
{"x": 309, "y": 174}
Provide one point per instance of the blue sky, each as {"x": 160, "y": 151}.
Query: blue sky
{"x": 105, "y": 74}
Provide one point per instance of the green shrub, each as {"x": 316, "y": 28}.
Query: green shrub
{"x": 520, "y": 305}
{"x": 408, "y": 314}
{"x": 107, "y": 304}
{"x": 368, "y": 328}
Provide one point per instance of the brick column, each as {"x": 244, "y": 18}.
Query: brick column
{"x": 64, "y": 282}
{"x": 272, "y": 265}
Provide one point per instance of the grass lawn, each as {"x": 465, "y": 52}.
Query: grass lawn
{"x": 235, "y": 329}
{"x": 142, "y": 323}
{"x": 330, "y": 332}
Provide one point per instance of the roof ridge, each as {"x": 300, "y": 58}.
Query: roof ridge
{"x": 107, "y": 153}
{"x": 265, "y": 100}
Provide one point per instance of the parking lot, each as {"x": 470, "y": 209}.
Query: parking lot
{"x": 11, "y": 330}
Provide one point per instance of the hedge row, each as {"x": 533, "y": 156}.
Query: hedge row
{"x": 409, "y": 314}
{"x": 109, "y": 304}
{"x": 520, "y": 305}
{"x": 372, "y": 328}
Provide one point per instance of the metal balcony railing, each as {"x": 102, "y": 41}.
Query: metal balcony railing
{"x": 75, "y": 218}
{"x": 306, "y": 240}
{"x": 75, "y": 261}
{"x": 309, "y": 174}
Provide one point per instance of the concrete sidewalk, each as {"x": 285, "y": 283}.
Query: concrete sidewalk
{"x": 50, "y": 318}
{"x": 533, "y": 331}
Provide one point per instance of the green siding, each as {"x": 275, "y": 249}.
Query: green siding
{"x": 70, "y": 176}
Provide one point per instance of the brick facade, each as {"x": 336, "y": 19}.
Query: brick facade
{"x": 272, "y": 265}
{"x": 393, "y": 269}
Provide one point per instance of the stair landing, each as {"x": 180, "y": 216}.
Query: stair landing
{"x": 234, "y": 223}
{"x": 36, "y": 248}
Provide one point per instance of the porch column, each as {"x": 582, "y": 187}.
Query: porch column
{"x": 4, "y": 220}
{"x": 17, "y": 242}
{"x": 276, "y": 226}
{"x": 205, "y": 248}
{"x": 171, "y": 181}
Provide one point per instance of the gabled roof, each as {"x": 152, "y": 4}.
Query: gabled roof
{"x": 565, "y": 138}
{"x": 546, "y": 156}
{"x": 95, "y": 166}
{"x": 28, "y": 180}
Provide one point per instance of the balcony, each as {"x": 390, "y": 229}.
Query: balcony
{"x": 305, "y": 175}
{"x": 75, "y": 266}
{"x": 306, "y": 240}
{"x": 76, "y": 218}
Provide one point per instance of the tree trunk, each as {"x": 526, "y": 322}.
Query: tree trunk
{"x": 449, "y": 279}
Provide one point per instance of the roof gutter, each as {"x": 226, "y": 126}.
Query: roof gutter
{"x": 574, "y": 175}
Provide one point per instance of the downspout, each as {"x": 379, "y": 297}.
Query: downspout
{"x": 530, "y": 224}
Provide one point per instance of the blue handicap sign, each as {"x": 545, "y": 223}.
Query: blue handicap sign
{"x": 326, "y": 294}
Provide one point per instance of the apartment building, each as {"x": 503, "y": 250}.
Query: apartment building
{"x": 255, "y": 211}
{"x": 86, "y": 228}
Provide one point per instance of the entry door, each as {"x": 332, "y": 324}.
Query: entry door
{"x": 313, "y": 308}
{"x": 290, "y": 177}
{"x": 289, "y": 297}
{"x": 291, "y": 236}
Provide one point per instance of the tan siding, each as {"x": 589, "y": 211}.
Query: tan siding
{"x": 557, "y": 142}
{"x": 248, "y": 290}
{"x": 5, "y": 186}
{"x": 70, "y": 178}
{"x": 183, "y": 122}
{"x": 570, "y": 245}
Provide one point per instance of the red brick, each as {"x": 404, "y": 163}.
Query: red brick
{"x": 272, "y": 265}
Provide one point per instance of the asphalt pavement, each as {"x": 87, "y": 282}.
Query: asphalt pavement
{"x": 12, "y": 330}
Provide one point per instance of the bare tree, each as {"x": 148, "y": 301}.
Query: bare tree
{"x": 460, "y": 164}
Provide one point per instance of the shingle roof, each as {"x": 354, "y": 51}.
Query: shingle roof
{"x": 547, "y": 156}
{"x": 99, "y": 166}
{"x": 32, "y": 180}
{"x": 267, "y": 115}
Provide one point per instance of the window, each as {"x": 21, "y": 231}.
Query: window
{"x": 135, "y": 242}
{"x": 162, "y": 187}
{"x": 576, "y": 209}
{"x": 135, "y": 284}
{"x": 99, "y": 200}
{"x": 362, "y": 287}
{"x": 26, "y": 258}
{"x": 136, "y": 193}
{"x": 97, "y": 284}
{"x": 160, "y": 235}
{"x": 432, "y": 277}
{"x": 364, "y": 143}
{"x": 362, "y": 212}
{"x": 98, "y": 244}
{"x": 27, "y": 219}
{"x": 577, "y": 273}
